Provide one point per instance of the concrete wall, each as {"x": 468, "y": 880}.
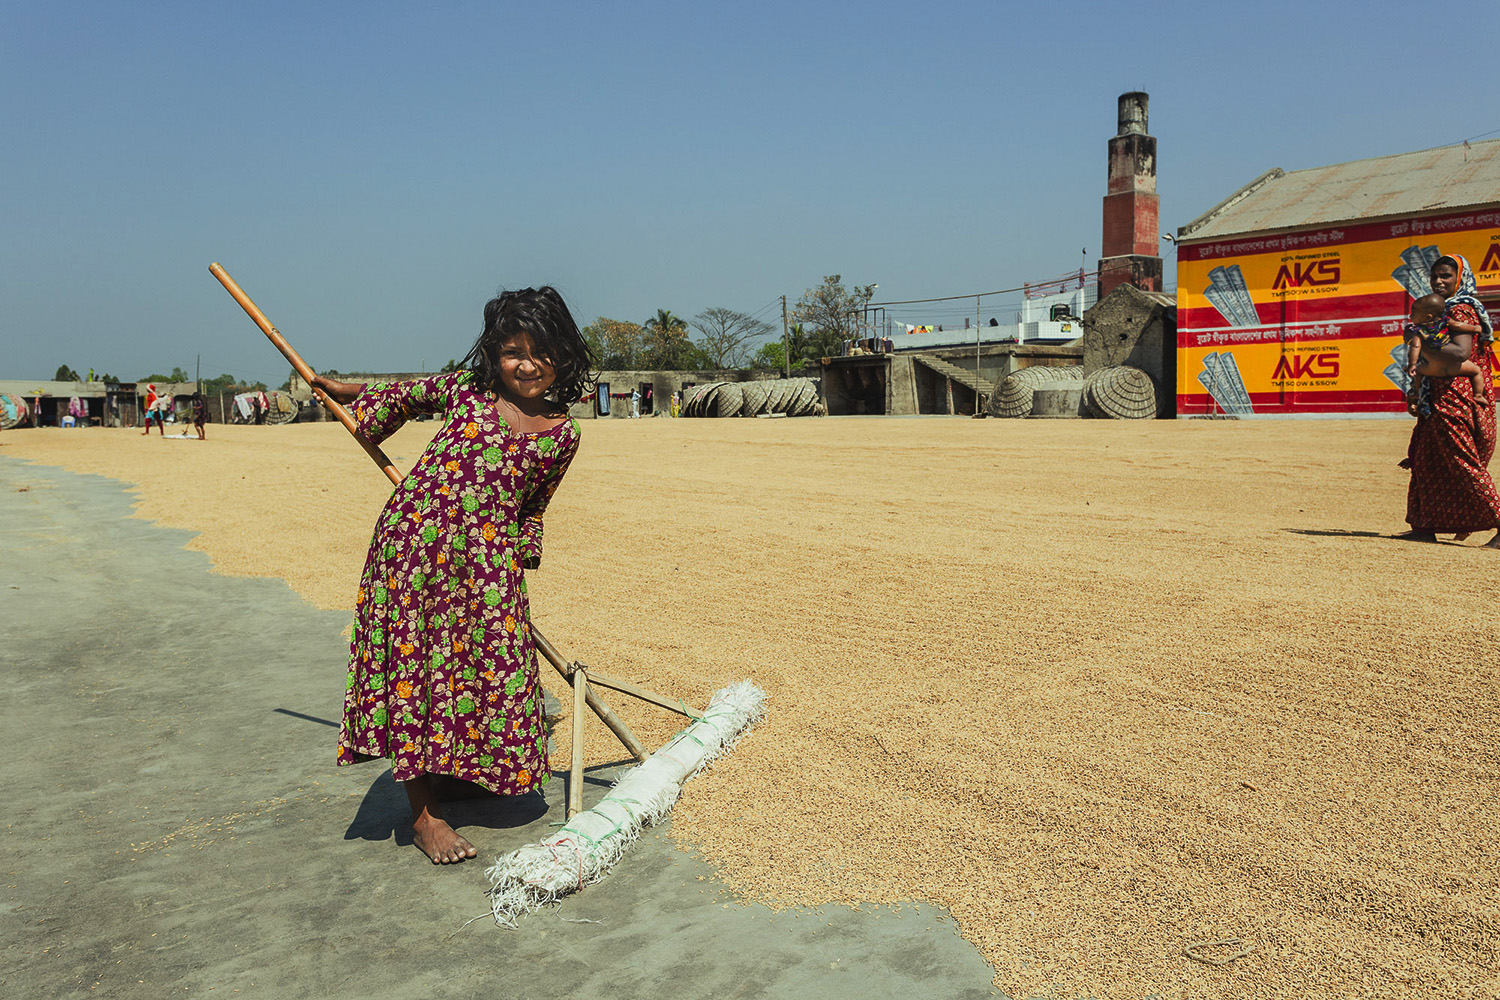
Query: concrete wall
{"x": 902, "y": 385}
{"x": 1136, "y": 328}
{"x": 896, "y": 384}
{"x": 999, "y": 360}
{"x": 859, "y": 385}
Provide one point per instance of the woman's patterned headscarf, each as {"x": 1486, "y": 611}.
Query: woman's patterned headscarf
{"x": 1467, "y": 293}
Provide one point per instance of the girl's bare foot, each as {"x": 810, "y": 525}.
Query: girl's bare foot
{"x": 439, "y": 841}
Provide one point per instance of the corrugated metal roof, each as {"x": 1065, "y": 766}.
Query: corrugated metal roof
{"x": 1449, "y": 178}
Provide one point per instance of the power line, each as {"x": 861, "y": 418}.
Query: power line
{"x": 999, "y": 291}
{"x": 1493, "y": 131}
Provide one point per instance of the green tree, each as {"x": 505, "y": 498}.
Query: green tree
{"x": 823, "y": 344}
{"x": 618, "y": 344}
{"x": 225, "y": 385}
{"x": 772, "y": 357}
{"x": 666, "y": 345}
{"x": 806, "y": 347}
{"x": 216, "y": 386}
{"x": 727, "y": 336}
{"x": 453, "y": 365}
{"x": 65, "y": 374}
{"x": 178, "y": 375}
{"x": 833, "y": 311}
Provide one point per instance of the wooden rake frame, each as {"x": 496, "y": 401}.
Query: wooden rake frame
{"x": 581, "y": 678}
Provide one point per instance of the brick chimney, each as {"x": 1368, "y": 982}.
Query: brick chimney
{"x": 1131, "y": 252}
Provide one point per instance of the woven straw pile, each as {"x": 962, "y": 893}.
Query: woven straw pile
{"x": 1120, "y": 392}
{"x": 1014, "y": 396}
{"x": 795, "y": 397}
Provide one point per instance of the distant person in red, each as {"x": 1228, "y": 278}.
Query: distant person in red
{"x": 1454, "y": 439}
{"x": 154, "y": 405}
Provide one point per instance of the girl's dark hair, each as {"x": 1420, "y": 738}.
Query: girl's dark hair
{"x": 542, "y": 313}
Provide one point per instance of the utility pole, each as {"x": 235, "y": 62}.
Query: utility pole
{"x": 786, "y": 343}
{"x": 978, "y": 321}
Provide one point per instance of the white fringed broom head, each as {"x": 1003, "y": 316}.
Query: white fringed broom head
{"x": 584, "y": 850}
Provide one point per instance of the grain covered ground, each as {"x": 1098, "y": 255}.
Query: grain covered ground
{"x": 1101, "y": 689}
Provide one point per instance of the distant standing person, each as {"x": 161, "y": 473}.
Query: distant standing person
{"x": 635, "y": 402}
{"x": 153, "y": 411}
{"x": 200, "y": 415}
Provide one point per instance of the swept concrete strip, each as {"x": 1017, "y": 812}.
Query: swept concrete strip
{"x": 176, "y": 824}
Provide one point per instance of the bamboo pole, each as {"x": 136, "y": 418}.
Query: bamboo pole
{"x": 575, "y": 777}
{"x": 605, "y": 713}
{"x": 303, "y": 370}
{"x": 626, "y": 687}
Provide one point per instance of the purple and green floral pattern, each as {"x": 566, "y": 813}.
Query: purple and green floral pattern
{"x": 442, "y": 673}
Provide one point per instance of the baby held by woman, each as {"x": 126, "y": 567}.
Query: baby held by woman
{"x": 1430, "y": 329}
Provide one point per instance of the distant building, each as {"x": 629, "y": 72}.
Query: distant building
{"x": 106, "y": 404}
{"x": 1292, "y": 292}
{"x": 1050, "y": 311}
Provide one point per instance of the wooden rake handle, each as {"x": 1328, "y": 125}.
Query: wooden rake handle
{"x": 302, "y": 369}
{"x": 549, "y": 652}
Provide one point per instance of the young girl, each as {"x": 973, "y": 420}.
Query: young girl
{"x": 443, "y": 675}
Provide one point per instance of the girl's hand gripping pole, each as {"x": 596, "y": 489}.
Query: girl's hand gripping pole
{"x": 305, "y": 372}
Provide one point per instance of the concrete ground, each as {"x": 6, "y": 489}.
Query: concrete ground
{"x": 177, "y": 825}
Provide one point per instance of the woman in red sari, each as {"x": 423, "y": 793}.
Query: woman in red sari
{"x": 1451, "y": 446}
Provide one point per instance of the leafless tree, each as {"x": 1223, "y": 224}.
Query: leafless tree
{"x": 833, "y": 310}
{"x": 727, "y": 335}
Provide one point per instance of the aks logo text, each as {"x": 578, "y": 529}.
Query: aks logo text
{"x": 1295, "y": 366}
{"x": 1312, "y": 273}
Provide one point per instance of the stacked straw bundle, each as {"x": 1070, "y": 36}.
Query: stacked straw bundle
{"x": 13, "y": 411}
{"x": 1120, "y": 392}
{"x": 283, "y": 408}
{"x": 1014, "y": 397}
{"x": 796, "y": 397}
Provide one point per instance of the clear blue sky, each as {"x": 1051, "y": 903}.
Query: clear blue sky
{"x": 372, "y": 172}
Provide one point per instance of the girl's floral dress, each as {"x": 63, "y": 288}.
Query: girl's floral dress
{"x": 442, "y": 672}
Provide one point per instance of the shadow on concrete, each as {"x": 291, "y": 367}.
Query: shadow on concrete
{"x": 384, "y": 814}
{"x": 306, "y": 718}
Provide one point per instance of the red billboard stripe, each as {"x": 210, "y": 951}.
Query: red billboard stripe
{"x": 1363, "y": 401}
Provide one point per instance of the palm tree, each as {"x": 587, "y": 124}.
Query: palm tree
{"x": 665, "y": 325}
{"x": 667, "y": 344}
